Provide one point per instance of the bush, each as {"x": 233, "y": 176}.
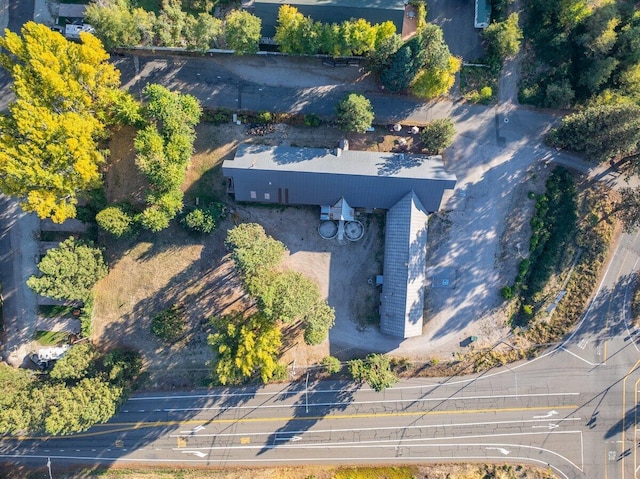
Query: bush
{"x": 375, "y": 370}
{"x": 311, "y": 120}
{"x": 170, "y": 324}
{"x": 199, "y": 220}
{"x": 280, "y": 374}
{"x": 318, "y": 323}
{"x": 507, "y": 292}
{"x": 116, "y": 220}
{"x": 527, "y": 309}
{"x": 331, "y": 364}
{"x": 264, "y": 118}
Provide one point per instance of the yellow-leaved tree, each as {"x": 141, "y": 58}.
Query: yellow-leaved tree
{"x": 64, "y": 93}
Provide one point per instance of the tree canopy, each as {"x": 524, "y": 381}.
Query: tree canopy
{"x": 297, "y": 34}
{"x": 69, "y": 271}
{"x": 601, "y": 132}
{"x": 354, "y": 113}
{"x": 242, "y": 31}
{"x": 245, "y": 347}
{"x": 437, "y": 135}
{"x": 503, "y": 39}
{"x": 83, "y": 389}
{"x": 584, "y": 52}
{"x": 375, "y": 370}
{"x": 49, "y": 150}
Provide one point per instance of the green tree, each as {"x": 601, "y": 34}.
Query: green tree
{"x": 244, "y": 347}
{"x": 380, "y": 58}
{"x": 69, "y": 271}
{"x": 114, "y": 23}
{"x": 432, "y": 83}
{"x": 331, "y": 364}
{"x": 116, "y": 220}
{"x": 289, "y": 30}
{"x": 437, "y": 135}
{"x": 503, "y": 39}
{"x": 253, "y": 250}
{"x": 318, "y": 322}
{"x": 171, "y": 24}
{"x": 600, "y": 132}
{"x": 628, "y": 209}
{"x": 164, "y": 150}
{"x": 354, "y": 113}
{"x": 76, "y": 363}
{"x": 48, "y": 143}
{"x": 242, "y": 31}
{"x": 375, "y": 370}
{"x": 202, "y": 32}
{"x": 170, "y": 324}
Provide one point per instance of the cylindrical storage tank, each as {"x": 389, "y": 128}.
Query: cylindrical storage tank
{"x": 353, "y": 230}
{"x": 328, "y": 229}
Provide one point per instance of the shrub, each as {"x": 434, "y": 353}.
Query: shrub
{"x": 486, "y": 93}
{"x": 116, "y": 221}
{"x": 527, "y": 309}
{"x": 199, "y": 220}
{"x": 264, "y": 117}
{"x": 318, "y": 323}
{"x": 507, "y": 292}
{"x": 375, "y": 370}
{"x": 280, "y": 374}
{"x": 311, "y": 120}
{"x": 170, "y": 324}
{"x": 331, "y": 364}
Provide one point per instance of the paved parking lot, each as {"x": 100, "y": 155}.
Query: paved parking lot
{"x": 455, "y": 17}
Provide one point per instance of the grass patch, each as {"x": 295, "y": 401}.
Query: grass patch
{"x": 50, "y": 338}
{"x": 56, "y": 311}
{"x": 438, "y": 471}
{"x": 478, "y": 84}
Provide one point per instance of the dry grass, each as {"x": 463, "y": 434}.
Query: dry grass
{"x": 441, "y": 471}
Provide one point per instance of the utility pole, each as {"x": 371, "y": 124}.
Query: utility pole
{"x": 49, "y": 467}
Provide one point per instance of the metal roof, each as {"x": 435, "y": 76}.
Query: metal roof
{"x": 71, "y": 10}
{"x": 316, "y": 176}
{"x": 331, "y": 11}
{"x": 402, "y": 299}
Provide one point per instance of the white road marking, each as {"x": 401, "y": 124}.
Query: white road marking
{"x": 581, "y": 358}
{"x": 502, "y": 450}
{"x": 195, "y": 453}
{"x": 292, "y": 438}
{"x": 583, "y": 343}
{"x": 549, "y": 414}
{"x": 381, "y": 428}
{"x": 548, "y": 426}
{"x": 382, "y": 401}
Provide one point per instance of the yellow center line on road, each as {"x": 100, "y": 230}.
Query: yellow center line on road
{"x": 130, "y": 426}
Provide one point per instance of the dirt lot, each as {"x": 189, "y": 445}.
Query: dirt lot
{"x": 152, "y": 272}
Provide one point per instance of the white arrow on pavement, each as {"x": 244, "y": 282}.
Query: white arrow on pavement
{"x": 195, "y": 453}
{"x": 548, "y": 426}
{"x": 549, "y": 414}
{"x": 292, "y": 438}
{"x": 502, "y": 450}
{"x": 198, "y": 428}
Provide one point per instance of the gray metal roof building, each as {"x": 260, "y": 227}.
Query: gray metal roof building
{"x": 317, "y": 176}
{"x": 409, "y": 186}
{"x": 330, "y": 11}
{"x": 402, "y": 300}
